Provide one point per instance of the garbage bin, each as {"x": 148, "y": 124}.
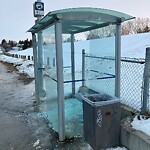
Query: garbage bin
{"x": 101, "y": 118}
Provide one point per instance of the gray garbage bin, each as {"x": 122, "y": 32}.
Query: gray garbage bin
{"x": 101, "y": 117}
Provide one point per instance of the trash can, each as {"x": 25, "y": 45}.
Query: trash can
{"x": 101, "y": 120}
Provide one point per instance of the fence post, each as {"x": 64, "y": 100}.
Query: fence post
{"x": 48, "y": 61}
{"x": 83, "y": 67}
{"x": 73, "y": 65}
{"x": 146, "y": 78}
{"x": 117, "y": 59}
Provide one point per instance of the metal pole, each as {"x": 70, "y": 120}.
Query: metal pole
{"x": 60, "y": 80}
{"x": 35, "y": 68}
{"x": 40, "y": 60}
{"x": 72, "y": 64}
{"x": 146, "y": 81}
{"x": 117, "y": 59}
{"x": 83, "y": 67}
{"x": 48, "y": 62}
{"x": 40, "y": 65}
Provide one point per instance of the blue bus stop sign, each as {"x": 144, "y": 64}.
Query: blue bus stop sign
{"x": 38, "y": 8}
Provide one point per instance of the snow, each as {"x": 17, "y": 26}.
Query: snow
{"x": 118, "y": 148}
{"x": 36, "y": 143}
{"x": 132, "y": 46}
{"x": 23, "y": 66}
{"x": 27, "y": 52}
{"x": 142, "y": 125}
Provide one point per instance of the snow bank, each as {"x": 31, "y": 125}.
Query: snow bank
{"x": 23, "y": 66}
{"x": 141, "y": 124}
{"x": 26, "y": 52}
{"x": 134, "y": 45}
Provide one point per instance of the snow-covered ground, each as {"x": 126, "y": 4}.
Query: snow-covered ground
{"x": 132, "y": 46}
{"x": 142, "y": 124}
{"x": 27, "y": 52}
{"x": 23, "y": 66}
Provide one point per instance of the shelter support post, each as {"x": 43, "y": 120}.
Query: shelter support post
{"x": 40, "y": 65}
{"x": 83, "y": 67}
{"x": 35, "y": 68}
{"x": 145, "y": 96}
{"x": 118, "y": 59}
{"x": 60, "y": 79}
{"x": 72, "y": 64}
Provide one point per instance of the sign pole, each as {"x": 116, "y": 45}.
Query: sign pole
{"x": 38, "y": 13}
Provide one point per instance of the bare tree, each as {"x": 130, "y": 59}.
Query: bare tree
{"x": 138, "y": 25}
{"x": 101, "y": 32}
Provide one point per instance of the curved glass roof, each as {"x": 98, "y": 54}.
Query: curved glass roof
{"x": 76, "y": 20}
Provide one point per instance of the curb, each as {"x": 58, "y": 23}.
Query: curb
{"x": 133, "y": 139}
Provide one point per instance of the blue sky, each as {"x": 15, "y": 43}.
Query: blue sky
{"x": 17, "y": 15}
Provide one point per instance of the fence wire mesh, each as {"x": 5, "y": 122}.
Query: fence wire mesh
{"x": 131, "y": 82}
{"x": 100, "y": 76}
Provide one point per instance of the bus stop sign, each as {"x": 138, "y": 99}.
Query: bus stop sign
{"x": 38, "y": 9}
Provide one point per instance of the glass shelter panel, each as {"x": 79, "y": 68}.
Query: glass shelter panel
{"x": 73, "y": 107}
{"x": 100, "y": 61}
{"x": 67, "y": 69}
{"x": 50, "y": 75}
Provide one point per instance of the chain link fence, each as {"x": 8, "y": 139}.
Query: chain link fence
{"x": 131, "y": 82}
{"x": 100, "y": 76}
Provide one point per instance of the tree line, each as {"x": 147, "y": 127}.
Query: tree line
{"x": 138, "y": 25}
{"x": 22, "y": 44}
{"x": 26, "y": 43}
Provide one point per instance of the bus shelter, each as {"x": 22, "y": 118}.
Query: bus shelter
{"x": 63, "y": 71}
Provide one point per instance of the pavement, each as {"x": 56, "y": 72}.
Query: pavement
{"x": 20, "y": 128}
